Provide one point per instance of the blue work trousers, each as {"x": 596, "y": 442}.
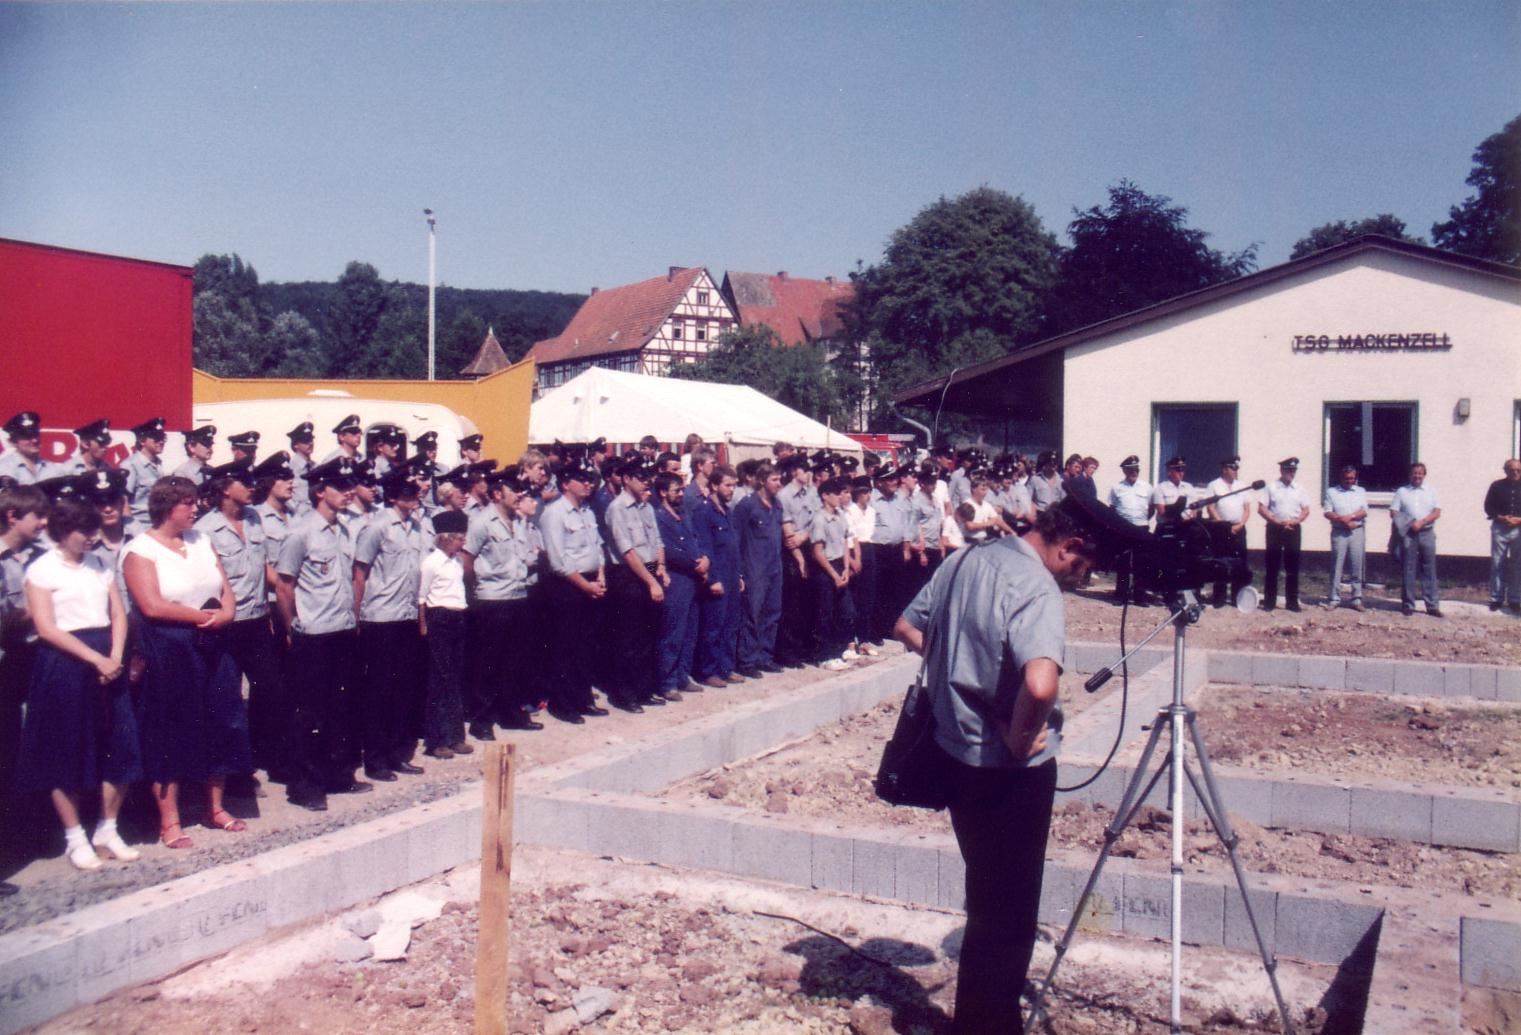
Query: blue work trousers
{"x": 760, "y": 612}
{"x": 678, "y": 632}
{"x": 718, "y": 626}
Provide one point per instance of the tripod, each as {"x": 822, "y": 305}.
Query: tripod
{"x": 1174, "y": 717}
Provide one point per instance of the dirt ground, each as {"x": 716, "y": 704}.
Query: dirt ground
{"x": 652, "y": 949}
{"x": 1466, "y": 633}
{"x": 828, "y": 775}
{"x": 1347, "y": 734}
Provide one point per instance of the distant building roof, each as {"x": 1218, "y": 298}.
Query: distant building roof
{"x": 489, "y": 358}
{"x": 797, "y": 309}
{"x": 619, "y": 319}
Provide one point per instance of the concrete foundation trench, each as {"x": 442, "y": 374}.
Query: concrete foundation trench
{"x": 1411, "y": 951}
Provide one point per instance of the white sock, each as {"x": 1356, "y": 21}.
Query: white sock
{"x": 74, "y": 837}
{"x": 104, "y": 829}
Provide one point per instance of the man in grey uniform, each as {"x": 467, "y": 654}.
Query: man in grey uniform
{"x": 245, "y": 446}
{"x": 388, "y": 555}
{"x": 302, "y": 444}
{"x": 94, "y": 439}
{"x": 991, "y": 626}
{"x": 1346, "y": 507}
{"x": 573, "y": 592}
{"x": 636, "y": 584}
{"x": 198, "y": 445}
{"x": 143, "y": 470}
{"x": 350, "y": 433}
{"x": 795, "y": 632}
{"x": 316, "y": 599}
{"x": 23, "y": 462}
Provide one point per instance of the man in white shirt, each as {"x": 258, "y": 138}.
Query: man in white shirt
{"x": 1172, "y": 489}
{"x": 1415, "y": 509}
{"x": 1130, "y": 498}
{"x": 1228, "y": 537}
{"x": 1285, "y": 510}
{"x": 1346, "y": 507}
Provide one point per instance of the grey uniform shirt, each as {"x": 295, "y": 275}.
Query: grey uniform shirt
{"x": 502, "y": 553}
{"x": 889, "y": 530}
{"x": 1001, "y": 610}
{"x": 1132, "y": 501}
{"x": 192, "y": 469}
{"x": 928, "y": 516}
{"x": 829, "y": 529}
{"x": 393, "y": 547}
{"x": 959, "y": 487}
{"x": 632, "y": 526}
{"x": 1046, "y": 494}
{"x": 12, "y": 466}
{"x": 799, "y": 505}
{"x": 571, "y": 540}
{"x": 320, "y": 557}
{"x": 300, "y": 491}
{"x": 142, "y": 474}
{"x": 243, "y": 559}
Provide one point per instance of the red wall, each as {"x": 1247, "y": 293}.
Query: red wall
{"x": 84, "y": 336}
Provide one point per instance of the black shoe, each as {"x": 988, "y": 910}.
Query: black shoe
{"x": 1407, "y": 610}
{"x": 1269, "y": 607}
{"x": 750, "y": 673}
{"x": 355, "y": 786}
{"x": 523, "y": 723}
{"x": 772, "y": 668}
{"x": 1494, "y": 605}
{"x": 1514, "y": 609}
{"x": 408, "y": 768}
{"x": 574, "y": 718}
{"x": 595, "y": 711}
{"x": 1295, "y": 608}
{"x": 626, "y": 706}
{"x": 1434, "y": 612}
{"x": 310, "y": 802}
{"x": 7, "y": 889}
{"x": 654, "y": 700}
{"x": 482, "y": 731}
{"x": 379, "y": 775}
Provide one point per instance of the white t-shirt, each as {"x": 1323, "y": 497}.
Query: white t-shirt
{"x": 984, "y": 511}
{"x": 191, "y": 580}
{"x": 443, "y": 581}
{"x": 950, "y": 531}
{"x": 860, "y": 522}
{"x": 1236, "y": 507}
{"x": 81, "y": 592}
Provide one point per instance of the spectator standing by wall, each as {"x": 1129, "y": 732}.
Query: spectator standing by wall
{"x": 1502, "y": 505}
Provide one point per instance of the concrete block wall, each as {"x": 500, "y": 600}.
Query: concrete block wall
{"x": 1377, "y": 675}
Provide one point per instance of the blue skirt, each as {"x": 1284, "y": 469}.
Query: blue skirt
{"x": 192, "y": 718}
{"x": 77, "y": 733}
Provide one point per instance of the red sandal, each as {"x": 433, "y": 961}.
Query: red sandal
{"x": 174, "y": 842}
{"x": 230, "y": 823}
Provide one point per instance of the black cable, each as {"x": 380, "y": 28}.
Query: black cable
{"x": 832, "y": 937}
{"x": 1124, "y": 699}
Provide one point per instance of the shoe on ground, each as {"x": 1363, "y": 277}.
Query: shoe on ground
{"x": 671, "y": 695}
{"x": 733, "y": 677}
{"x": 772, "y": 669}
{"x": 442, "y": 752}
{"x": 462, "y": 748}
{"x": 1358, "y": 605}
{"x": 354, "y": 787}
{"x": 310, "y": 802}
{"x": 1407, "y": 610}
{"x": 1514, "y": 609}
{"x": 1434, "y": 612}
{"x": 850, "y": 655}
{"x": 835, "y": 665}
{"x": 115, "y": 847}
{"x": 377, "y": 774}
{"x": 522, "y": 721}
{"x": 1269, "y": 607}
{"x": 482, "y": 731}
{"x": 83, "y": 857}
{"x": 1494, "y": 605}
{"x": 574, "y": 718}
{"x": 7, "y": 889}
{"x": 716, "y": 682}
{"x": 595, "y": 711}
{"x": 408, "y": 768}
{"x": 653, "y": 700}
{"x": 632, "y": 707}
{"x": 1331, "y": 605}
{"x": 868, "y": 650}
{"x": 1294, "y": 608}
{"x": 751, "y": 673}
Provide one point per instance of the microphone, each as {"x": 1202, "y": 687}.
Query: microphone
{"x": 1256, "y": 486}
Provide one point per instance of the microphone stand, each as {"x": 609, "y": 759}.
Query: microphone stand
{"x": 1186, "y": 610}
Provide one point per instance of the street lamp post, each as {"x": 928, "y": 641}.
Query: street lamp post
{"x": 432, "y": 267}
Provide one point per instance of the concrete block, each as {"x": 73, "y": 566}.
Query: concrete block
{"x": 301, "y": 880}
{"x": 873, "y": 868}
{"x": 1275, "y": 670}
{"x": 1482, "y": 682}
{"x": 1489, "y": 953}
{"x": 1372, "y": 674}
{"x": 37, "y": 977}
{"x": 1059, "y": 887}
{"x": 1321, "y": 928}
{"x": 1323, "y": 673}
{"x": 1087, "y": 658}
{"x": 375, "y": 866}
{"x": 830, "y": 863}
{"x": 690, "y": 835}
{"x": 1316, "y": 806}
{"x": 1245, "y": 796}
{"x": 755, "y": 733}
{"x": 1491, "y": 824}
{"x": 950, "y": 887}
{"x": 1238, "y": 927}
{"x": 674, "y": 760}
{"x": 1146, "y": 905}
{"x": 773, "y": 852}
{"x": 1421, "y": 678}
{"x": 561, "y": 821}
{"x": 1203, "y": 911}
{"x": 1380, "y": 812}
{"x": 1508, "y": 684}
{"x": 208, "y": 912}
{"x": 917, "y": 869}
{"x": 1103, "y": 910}
{"x": 103, "y": 947}
{"x": 1457, "y": 680}
{"x": 624, "y": 828}
{"x": 1232, "y": 667}
{"x": 439, "y": 842}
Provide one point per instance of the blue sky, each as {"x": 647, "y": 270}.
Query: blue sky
{"x": 572, "y": 144}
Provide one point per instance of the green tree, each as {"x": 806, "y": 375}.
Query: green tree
{"x": 225, "y": 338}
{"x": 798, "y": 376}
{"x": 1136, "y": 251}
{"x": 1329, "y": 234}
{"x": 457, "y": 343}
{"x": 354, "y": 316}
{"x": 399, "y": 346}
{"x": 963, "y": 281}
{"x": 293, "y": 347}
{"x": 1488, "y": 224}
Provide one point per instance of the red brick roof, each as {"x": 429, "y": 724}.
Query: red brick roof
{"x": 797, "y": 309}
{"x": 619, "y": 319}
{"x": 489, "y": 358}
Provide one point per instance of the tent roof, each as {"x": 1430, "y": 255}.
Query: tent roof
{"x": 624, "y": 407}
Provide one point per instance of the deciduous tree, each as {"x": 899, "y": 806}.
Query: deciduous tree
{"x": 1488, "y": 224}
{"x": 1329, "y": 234}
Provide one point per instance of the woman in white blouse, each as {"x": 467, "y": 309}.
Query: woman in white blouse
{"x": 192, "y": 719}
{"x": 79, "y": 732}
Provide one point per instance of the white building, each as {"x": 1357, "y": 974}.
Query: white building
{"x": 1374, "y": 352}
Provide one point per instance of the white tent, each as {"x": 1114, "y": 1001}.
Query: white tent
{"x": 623, "y": 407}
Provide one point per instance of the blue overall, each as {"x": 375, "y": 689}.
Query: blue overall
{"x": 760, "y": 564}
{"x": 718, "y": 627}
{"x": 678, "y": 615}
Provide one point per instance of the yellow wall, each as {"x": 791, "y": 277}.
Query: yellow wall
{"x": 497, "y": 404}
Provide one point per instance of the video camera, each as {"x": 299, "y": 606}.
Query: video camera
{"x": 1188, "y": 554}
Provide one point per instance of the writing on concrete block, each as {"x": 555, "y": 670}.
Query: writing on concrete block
{"x": 188, "y": 929}
{"x": 38, "y": 982}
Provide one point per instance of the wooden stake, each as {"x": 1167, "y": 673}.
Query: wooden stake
{"x": 491, "y": 957}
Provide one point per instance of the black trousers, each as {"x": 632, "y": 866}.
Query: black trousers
{"x": 796, "y": 631}
{"x": 1230, "y": 547}
{"x": 499, "y": 630}
{"x": 863, "y": 596}
{"x": 634, "y": 628}
{"x": 836, "y": 616}
{"x": 392, "y": 691}
{"x": 573, "y": 618}
{"x": 323, "y": 740}
{"x": 251, "y": 643}
{"x": 1282, "y": 552}
{"x": 1002, "y": 818}
{"x": 444, "y": 712}
{"x": 892, "y": 583}
{"x": 15, "y": 673}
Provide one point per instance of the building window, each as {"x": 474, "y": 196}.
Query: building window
{"x": 1200, "y": 433}
{"x": 1379, "y": 438}
{"x": 701, "y": 332}
{"x": 702, "y": 298}
{"x": 676, "y": 329}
